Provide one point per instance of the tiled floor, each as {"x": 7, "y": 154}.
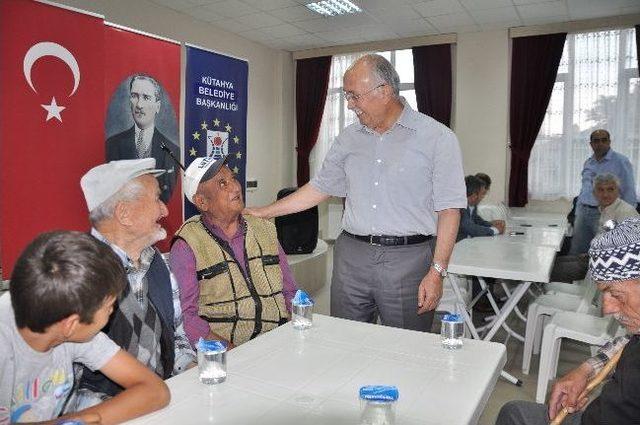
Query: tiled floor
{"x": 571, "y": 356}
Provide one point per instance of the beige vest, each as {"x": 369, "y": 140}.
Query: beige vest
{"x": 237, "y": 308}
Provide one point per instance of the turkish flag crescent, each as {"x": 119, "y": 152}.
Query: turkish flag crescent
{"x": 51, "y": 132}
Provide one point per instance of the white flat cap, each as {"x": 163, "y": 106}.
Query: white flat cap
{"x": 199, "y": 171}
{"x": 103, "y": 181}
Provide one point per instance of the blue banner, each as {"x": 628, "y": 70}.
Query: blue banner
{"x": 215, "y": 111}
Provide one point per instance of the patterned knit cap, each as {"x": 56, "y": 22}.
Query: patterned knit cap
{"x": 614, "y": 255}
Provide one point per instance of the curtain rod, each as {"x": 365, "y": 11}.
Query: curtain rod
{"x": 396, "y": 44}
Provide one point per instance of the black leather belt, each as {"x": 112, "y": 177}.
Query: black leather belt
{"x": 389, "y": 240}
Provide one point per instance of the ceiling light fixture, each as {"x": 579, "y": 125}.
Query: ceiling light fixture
{"x": 334, "y": 7}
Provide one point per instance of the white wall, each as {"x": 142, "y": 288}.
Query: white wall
{"x": 481, "y": 106}
{"x": 270, "y": 144}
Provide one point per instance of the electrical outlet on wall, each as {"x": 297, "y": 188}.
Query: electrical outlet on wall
{"x": 252, "y": 185}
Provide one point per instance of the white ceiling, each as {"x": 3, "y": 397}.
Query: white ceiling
{"x": 289, "y": 25}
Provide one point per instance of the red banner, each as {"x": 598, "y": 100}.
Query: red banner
{"x": 142, "y": 88}
{"x": 51, "y": 80}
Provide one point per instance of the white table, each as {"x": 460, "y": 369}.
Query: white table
{"x": 497, "y": 258}
{"x": 525, "y": 218}
{"x": 288, "y": 377}
{"x": 539, "y": 236}
{"x": 494, "y": 257}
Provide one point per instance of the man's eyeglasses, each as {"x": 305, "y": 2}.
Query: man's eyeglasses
{"x": 348, "y": 96}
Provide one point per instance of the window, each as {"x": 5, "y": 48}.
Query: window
{"x": 597, "y": 86}
{"x": 336, "y": 115}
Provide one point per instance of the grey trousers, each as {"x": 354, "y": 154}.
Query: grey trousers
{"x": 380, "y": 281}
{"x": 530, "y": 413}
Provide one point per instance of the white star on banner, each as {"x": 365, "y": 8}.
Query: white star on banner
{"x": 53, "y": 110}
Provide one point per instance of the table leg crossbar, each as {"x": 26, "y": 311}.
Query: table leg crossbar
{"x": 500, "y": 318}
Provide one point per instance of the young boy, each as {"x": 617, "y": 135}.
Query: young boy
{"x": 62, "y": 292}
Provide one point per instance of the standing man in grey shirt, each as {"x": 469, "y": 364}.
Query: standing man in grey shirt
{"x": 401, "y": 174}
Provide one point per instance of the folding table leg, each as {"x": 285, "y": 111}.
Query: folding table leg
{"x": 517, "y": 309}
{"x": 495, "y": 308}
{"x": 474, "y": 333}
{"x": 511, "y": 378}
{"x": 517, "y": 294}
{"x": 467, "y": 318}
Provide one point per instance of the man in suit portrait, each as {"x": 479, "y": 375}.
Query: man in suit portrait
{"x": 143, "y": 139}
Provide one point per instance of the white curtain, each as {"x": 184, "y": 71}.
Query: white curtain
{"x": 597, "y": 87}
{"x": 336, "y": 116}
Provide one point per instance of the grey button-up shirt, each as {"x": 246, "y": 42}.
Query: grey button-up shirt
{"x": 395, "y": 182}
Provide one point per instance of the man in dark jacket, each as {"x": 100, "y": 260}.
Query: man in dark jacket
{"x": 471, "y": 224}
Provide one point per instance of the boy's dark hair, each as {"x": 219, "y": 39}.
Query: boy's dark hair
{"x": 473, "y": 184}
{"x": 63, "y": 273}
{"x": 485, "y": 179}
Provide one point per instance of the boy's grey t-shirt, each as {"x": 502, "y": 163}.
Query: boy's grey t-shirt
{"x": 33, "y": 385}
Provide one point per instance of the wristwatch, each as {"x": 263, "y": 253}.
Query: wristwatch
{"x": 441, "y": 270}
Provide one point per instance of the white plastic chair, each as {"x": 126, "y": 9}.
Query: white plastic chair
{"x": 595, "y": 331}
{"x": 545, "y": 306}
{"x": 577, "y": 288}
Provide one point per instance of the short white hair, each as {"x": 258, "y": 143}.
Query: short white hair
{"x": 129, "y": 192}
{"x": 605, "y": 178}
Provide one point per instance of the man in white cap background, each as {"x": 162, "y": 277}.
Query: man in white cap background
{"x": 614, "y": 264}
{"x": 123, "y": 198}
{"x": 235, "y": 282}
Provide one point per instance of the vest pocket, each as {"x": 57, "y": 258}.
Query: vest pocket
{"x": 213, "y": 271}
{"x": 270, "y": 260}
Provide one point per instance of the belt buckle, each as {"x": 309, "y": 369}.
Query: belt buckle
{"x": 373, "y": 243}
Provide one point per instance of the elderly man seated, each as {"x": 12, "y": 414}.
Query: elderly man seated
{"x": 615, "y": 266}
{"x": 234, "y": 278}
{"x": 471, "y": 224}
{"x": 123, "y": 198}
{"x": 606, "y": 190}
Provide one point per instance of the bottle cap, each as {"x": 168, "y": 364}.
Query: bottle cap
{"x": 379, "y": 393}
{"x": 211, "y": 346}
{"x": 302, "y": 298}
{"x": 452, "y": 318}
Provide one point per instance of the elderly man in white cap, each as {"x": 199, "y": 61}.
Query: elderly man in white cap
{"x": 235, "y": 282}
{"x": 615, "y": 265}
{"x": 123, "y": 198}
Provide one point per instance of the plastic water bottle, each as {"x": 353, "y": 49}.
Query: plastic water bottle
{"x": 302, "y": 311}
{"x": 452, "y": 331}
{"x": 378, "y": 404}
{"x": 212, "y": 361}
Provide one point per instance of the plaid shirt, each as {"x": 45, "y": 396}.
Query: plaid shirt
{"x": 605, "y": 353}
{"x": 137, "y": 277}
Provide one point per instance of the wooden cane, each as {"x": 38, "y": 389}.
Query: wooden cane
{"x": 597, "y": 380}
